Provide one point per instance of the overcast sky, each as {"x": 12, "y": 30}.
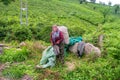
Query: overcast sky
{"x": 106, "y": 1}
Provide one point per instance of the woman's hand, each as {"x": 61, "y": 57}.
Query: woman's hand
{"x": 52, "y": 44}
{"x": 58, "y": 42}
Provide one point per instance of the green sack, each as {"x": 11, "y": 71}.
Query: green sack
{"x": 48, "y": 58}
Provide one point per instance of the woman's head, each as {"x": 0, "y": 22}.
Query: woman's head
{"x": 54, "y": 28}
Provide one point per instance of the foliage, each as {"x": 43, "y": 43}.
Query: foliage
{"x": 93, "y": 1}
{"x": 82, "y": 1}
{"x": 14, "y": 72}
{"x": 14, "y": 55}
{"x": 45, "y": 33}
{"x": 81, "y": 20}
{"x": 18, "y": 71}
{"x": 102, "y": 70}
{"x": 112, "y": 39}
{"x": 6, "y": 2}
{"x": 105, "y": 13}
{"x": 109, "y": 3}
{"x": 117, "y": 8}
{"x": 2, "y": 33}
{"x": 23, "y": 32}
{"x": 38, "y": 25}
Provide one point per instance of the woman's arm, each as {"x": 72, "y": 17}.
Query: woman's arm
{"x": 51, "y": 38}
{"x": 61, "y": 38}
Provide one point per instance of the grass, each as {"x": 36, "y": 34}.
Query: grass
{"x": 85, "y": 68}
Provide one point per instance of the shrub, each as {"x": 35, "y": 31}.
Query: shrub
{"x": 22, "y": 33}
{"x": 14, "y": 72}
{"x": 2, "y": 33}
{"x": 36, "y": 31}
{"x": 112, "y": 39}
{"x": 14, "y": 55}
{"x": 100, "y": 70}
{"x": 45, "y": 33}
{"x": 76, "y": 31}
{"x": 9, "y": 34}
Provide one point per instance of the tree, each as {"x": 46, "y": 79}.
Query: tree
{"x": 105, "y": 12}
{"x": 109, "y": 3}
{"x": 6, "y": 2}
{"x": 82, "y": 1}
{"x": 94, "y": 8}
{"x": 117, "y": 7}
{"x": 93, "y": 1}
{"x": 102, "y": 3}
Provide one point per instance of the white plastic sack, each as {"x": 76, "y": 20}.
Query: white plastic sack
{"x": 65, "y": 33}
{"x": 89, "y": 48}
{"x": 73, "y": 48}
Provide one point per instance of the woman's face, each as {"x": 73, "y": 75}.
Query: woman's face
{"x": 55, "y": 28}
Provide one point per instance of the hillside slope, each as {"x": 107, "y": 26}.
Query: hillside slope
{"x": 81, "y": 20}
{"x": 46, "y": 13}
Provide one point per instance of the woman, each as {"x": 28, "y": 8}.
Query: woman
{"x": 57, "y": 41}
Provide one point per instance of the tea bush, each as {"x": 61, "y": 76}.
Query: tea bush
{"x": 112, "y": 39}
{"x": 81, "y": 20}
{"x": 14, "y": 72}
{"x": 46, "y": 17}
{"x": 2, "y": 33}
{"x": 45, "y": 33}
{"x": 98, "y": 70}
{"x": 36, "y": 32}
{"x": 18, "y": 71}
{"x": 22, "y": 33}
{"x": 14, "y": 55}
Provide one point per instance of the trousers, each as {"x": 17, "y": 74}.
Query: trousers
{"x": 60, "y": 55}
